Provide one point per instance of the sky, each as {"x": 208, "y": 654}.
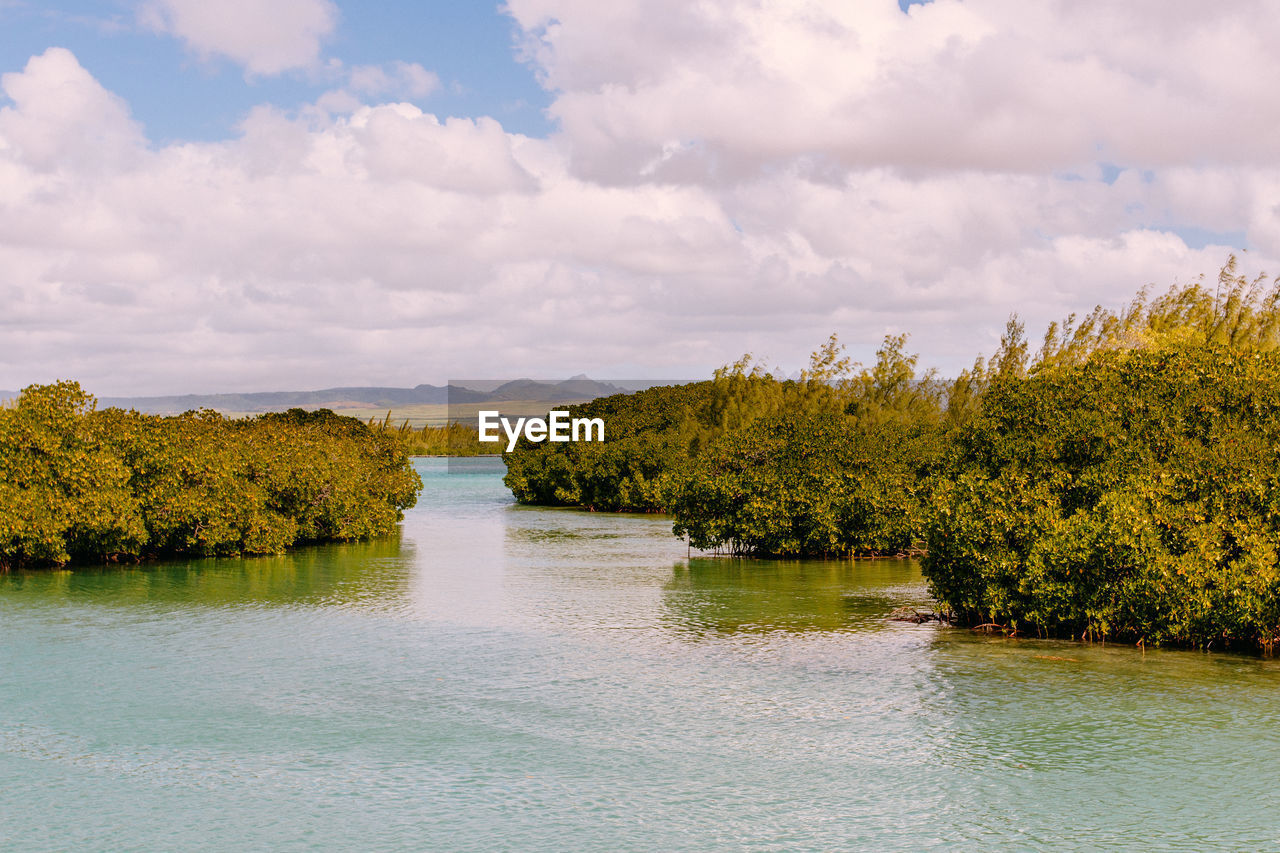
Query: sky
{"x": 288, "y": 194}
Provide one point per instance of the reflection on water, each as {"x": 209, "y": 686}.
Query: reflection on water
{"x": 729, "y": 595}
{"x": 504, "y": 677}
{"x": 373, "y": 573}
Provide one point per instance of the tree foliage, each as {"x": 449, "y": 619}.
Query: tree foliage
{"x": 650, "y": 436}
{"x": 1238, "y": 313}
{"x": 80, "y": 484}
{"x": 1135, "y": 495}
{"x": 1122, "y": 482}
{"x": 791, "y": 486}
{"x": 693, "y": 450}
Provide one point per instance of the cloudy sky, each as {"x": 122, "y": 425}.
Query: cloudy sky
{"x": 288, "y": 194}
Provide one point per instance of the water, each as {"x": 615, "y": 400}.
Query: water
{"x": 505, "y": 678}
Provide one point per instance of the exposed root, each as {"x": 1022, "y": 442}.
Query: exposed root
{"x": 911, "y": 614}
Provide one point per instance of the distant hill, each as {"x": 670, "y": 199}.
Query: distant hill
{"x": 273, "y": 401}
{"x": 571, "y": 390}
{"x": 551, "y": 392}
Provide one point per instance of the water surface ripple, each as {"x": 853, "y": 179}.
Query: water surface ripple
{"x": 509, "y": 678}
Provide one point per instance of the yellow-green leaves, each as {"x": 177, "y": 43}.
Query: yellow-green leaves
{"x": 84, "y": 485}
{"x": 1134, "y": 495}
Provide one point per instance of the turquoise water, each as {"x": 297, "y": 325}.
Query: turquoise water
{"x": 505, "y": 678}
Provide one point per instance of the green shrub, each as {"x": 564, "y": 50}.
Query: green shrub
{"x": 649, "y": 437}
{"x": 1124, "y": 483}
{"x": 815, "y": 486}
{"x": 1135, "y": 495}
{"x": 85, "y": 485}
{"x": 64, "y": 491}
{"x": 653, "y": 437}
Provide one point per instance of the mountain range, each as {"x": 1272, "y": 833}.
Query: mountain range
{"x": 577, "y": 389}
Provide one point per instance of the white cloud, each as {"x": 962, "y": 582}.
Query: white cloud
{"x": 999, "y": 85}
{"x": 265, "y": 36}
{"x": 728, "y": 177}
{"x": 398, "y": 79}
{"x": 63, "y": 119}
{"x": 407, "y": 79}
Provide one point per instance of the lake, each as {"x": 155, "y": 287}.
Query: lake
{"x": 514, "y": 678}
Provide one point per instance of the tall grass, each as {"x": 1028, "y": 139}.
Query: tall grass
{"x": 451, "y": 439}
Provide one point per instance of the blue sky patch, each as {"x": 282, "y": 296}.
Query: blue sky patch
{"x": 177, "y": 95}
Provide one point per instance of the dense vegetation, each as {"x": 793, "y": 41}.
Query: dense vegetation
{"x": 1135, "y": 495}
{"x": 1122, "y": 483}
{"x": 649, "y": 436}
{"x": 842, "y": 466}
{"x": 749, "y": 463}
{"x": 810, "y": 485}
{"x": 654, "y": 437}
{"x": 450, "y": 439}
{"x": 79, "y": 484}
